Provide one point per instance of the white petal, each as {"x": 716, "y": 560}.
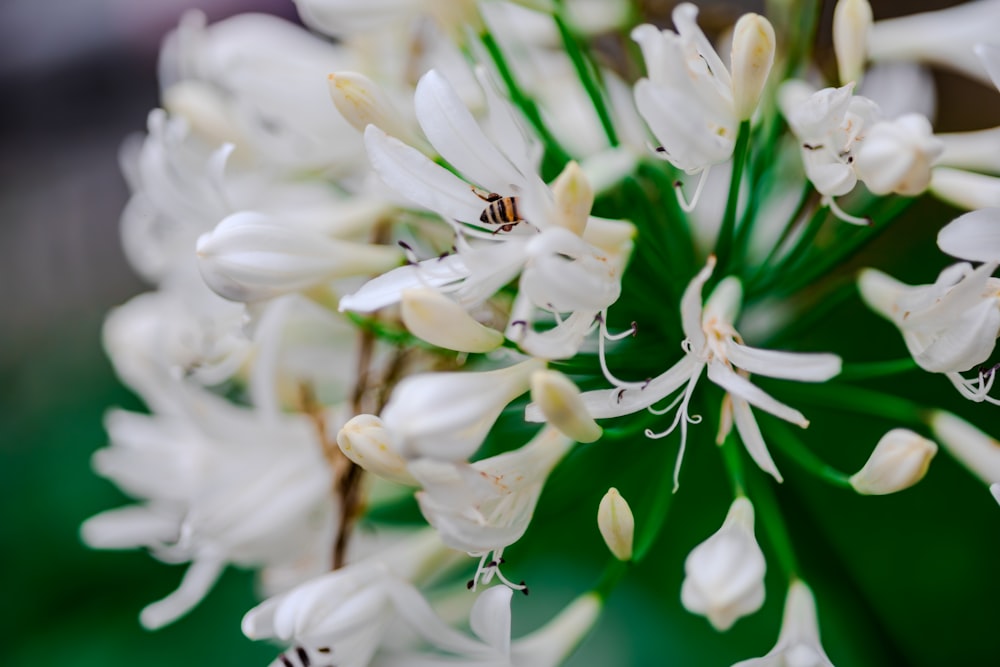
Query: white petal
{"x": 965, "y": 189}
{"x": 201, "y": 575}
{"x": 801, "y": 366}
{"x": 130, "y": 527}
{"x": 440, "y": 321}
{"x": 409, "y": 172}
{"x": 490, "y": 618}
{"x": 974, "y": 236}
{"x": 989, "y": 54}
{"x": 752, "y": 439}
{"x": 738, "y": 385}
{"x": 388, "y": 288}
{"x": 604, "y": 403}
{"x": 455, "y": 134}
{"x": 691, "y": 306}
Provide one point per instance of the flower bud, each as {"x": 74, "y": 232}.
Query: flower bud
{"x": 896, "y": 156}
{"x": 974, "y": 449}
{"x": 899, "y": 461}
{"x": 798, "y": 642}
{"x": 852, "y": 20}
{"x": 724, "y": 575}
{"x": 751, "y": 61}
{"x": 574, "y": 198}
{"x": 559, "y": 400}
{"x": 617, "y": 526}
{"x": 433, "y": 317}
{"x": 362, "y": 102}
{"x": 365, "y": 440}
{"x": 250, "y": 257}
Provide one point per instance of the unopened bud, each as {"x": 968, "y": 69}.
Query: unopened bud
{"x": 365, "y": 440}
{"x": 433, "y": 317}
{"x": 896, "y": 156}
{"x": 617, "y": 526}
{"x": 574, "y": 198}
{"x": 250, "y": 257}
{"x": 899, "y": 461}
{"x": 852, "y": 20}
{"x": 362, "y": 102}
{"x": 751, "y": 61}
{"x": 724, "y": 575}
{"x": 560, "y": 402}
{"x": 974, "y": 449}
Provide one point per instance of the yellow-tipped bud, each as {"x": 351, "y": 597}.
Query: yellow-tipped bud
{"x": 617, "y": 526}
{"x": 362, "y": 102}
{"x": 559, "y": 400}
{"x": 365, "y": 440}
{"x": 751, "y": 61}
{"x": 433, "y": 317}
{"x": 852, "y": 20}
{"x": 899, "y": 461}
{"x": 574, "y": 198}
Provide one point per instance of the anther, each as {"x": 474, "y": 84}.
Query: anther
{"x": 525, "y": 588}
{"x": 621, "y": 395}
{"x": 303, "y": 656}
{"x": 812, "y": 147}
{"x": 469, "y": 584}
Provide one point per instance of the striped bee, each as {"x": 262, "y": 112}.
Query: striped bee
{"x": 501, "y": 211}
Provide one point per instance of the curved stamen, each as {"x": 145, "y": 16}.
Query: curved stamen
{"x": 844, "y": 215}
{"x": 686, "y": 206}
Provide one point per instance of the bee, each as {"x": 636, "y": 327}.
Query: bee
{"x": 501, "y": 211}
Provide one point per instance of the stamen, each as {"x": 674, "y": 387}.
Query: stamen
{"x": 303, "y": 656}
{"x": 685, "y": 206}
{"x": 602, "y": 336}
{"x": 681, "y": 418}
{"x": 845, "y": 216}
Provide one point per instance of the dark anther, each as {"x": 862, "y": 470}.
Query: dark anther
{"x": 525, "y": 589}
{"x": 404, "y": 245}
{"x": 660, "y": 149}
{"x": 492, "y": 563}
{"x": 518, "y": 323}
{"x": 868, "y": 221}
{"x": 285, "y": 661}
{"x": 599, "y": 318}
{"x": 443, "y": 255}
{"x": 635, "y": 329}
{"x": 621, "y": 394}
{"x": 645, "y": 384}
{"x": 303, "y": 656}
{"x": 324, "y": 649}
{"x": 811, "y": 147}
{"x": 502, "y": 561}
{"x": 850, "y": 160}
{"x": 470, "y": 584}
{"x": 986, "y": 372}
{"x": 678, "y": 185}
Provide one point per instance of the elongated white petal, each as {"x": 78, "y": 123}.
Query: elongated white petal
{"x": 974, "y": 236}
{"x": 559, "y": 400}
{"x": 490, "y": 618}
{"x": 965, "y": 189}
{"x": 801, "y": 366}
{"x": 250, "y": 257}
{"x": 691, "y": 306}
{"x": 975, "y": 151}
{"x": 410, "y": 173}
{"x": 131, "y": 527}
{"x": 388, "y": 288}
{"x": 435, "y": 318}
{"x": 752, "y": 439}
{"x": 201, "y": 575}
{"x": 458, "y": 138}
{"x": 738, "y": 385}
{"x": 976, "y": 450}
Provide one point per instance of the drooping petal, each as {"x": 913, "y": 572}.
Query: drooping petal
{"x": 490, "y": 618}
{"x": 739, "y": 386}
{"x": 201, "y": 575}
{"x": 974, "y": 236}
{"x": 746, "y": 426}
{"x": 388, "y": 288}
{"x": 801, "y": 366}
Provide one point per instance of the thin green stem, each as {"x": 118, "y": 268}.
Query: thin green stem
{"x": 873, "y": 369}
{"x": 724, "y": 245}
{"x": 859, "y": 400}
{"x": 586, "y": 72}
{"x": 612, "y": 574}
{"x": 781, "y": 435}
{"x": 524, "y": 102}
{"x": 658, "y": 508}
{"x": 766, "y": 507}
{"x": 734, "y": 464}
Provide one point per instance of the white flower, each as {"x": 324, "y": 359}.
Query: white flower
{"x": 345, "y": 18}
{"x": 798, "y": 644}
{"x": 942, "y": 37}
{"x": 446, "y": 416}
{"x": 343, "y": 615}
{"x": 976, "y": 450}
{"x": 490, "y": 622}
{"x": 560, "y": 271}
{"x": 219, "y": 485}
{"x": 263, "y": 81}
{"x": 724, "y": 575}
{"x": 897, "y": 155}
{"x": 251, "y": 257}
{"x": 713, "y": 344}
{"x": 689, "y": 100}
{"x": 484, "y": 507}
{"x": 899, "y": 461}
{"x": 949, "y": 326}
{"x": 616, "y": 523}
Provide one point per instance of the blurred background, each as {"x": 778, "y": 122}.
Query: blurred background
{"x": 909, "y": 580}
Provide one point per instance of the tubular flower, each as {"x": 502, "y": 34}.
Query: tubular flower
{"x": 507, "y": 223}
{"x": 713, "y": 345}
{"x": 798, "y": 644}
{"x": 949, "y": 327}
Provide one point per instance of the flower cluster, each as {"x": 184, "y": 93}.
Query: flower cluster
{"x": 419, "y": 253}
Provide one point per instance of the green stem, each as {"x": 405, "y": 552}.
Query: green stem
{"x": 766, "y": 507}
{"x": 523, "y": 102}
{"x": 585, "y": 71}
{"x": 781, "y": 435}
{"x": 872, "y": 369}
{"x": 657, "y": 516}
{"x": 860, "y": 400}
{"x": 724, "y": 246}
{"x": 612, "y": 574}
{"x": 734, "y": 465}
